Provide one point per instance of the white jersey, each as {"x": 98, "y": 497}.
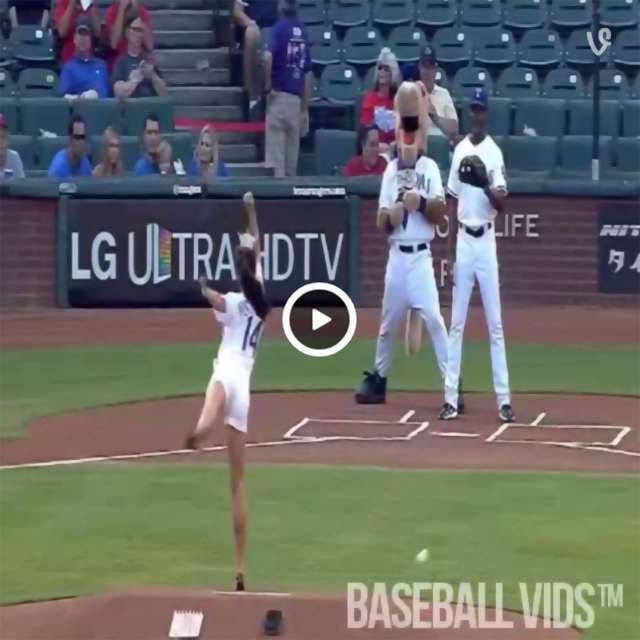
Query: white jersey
{"x": 474, "y": 208}
{"x": 426, "y": 179}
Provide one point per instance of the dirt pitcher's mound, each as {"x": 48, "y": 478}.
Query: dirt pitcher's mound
{"x": 147, "y": 615}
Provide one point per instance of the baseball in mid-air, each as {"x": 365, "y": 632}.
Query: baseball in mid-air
{"x": 422, "y": 556}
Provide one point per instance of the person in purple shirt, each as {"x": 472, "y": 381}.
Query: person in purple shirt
{"x": 288, "y": 83}
{"x": 72, "y": 161}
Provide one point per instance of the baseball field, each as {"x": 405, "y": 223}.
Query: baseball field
{"x": 98, "y": 499}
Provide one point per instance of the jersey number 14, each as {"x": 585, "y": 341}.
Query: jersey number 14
{"x": 251, "y": 337}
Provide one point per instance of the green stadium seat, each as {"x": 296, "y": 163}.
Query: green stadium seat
{"x": 436, "y": 13}
{"x": 530, "y": 155}
{"x": 518, "y": 82}
{"x": 635, "y": 88}
{"x": 25, "y": 147}
{"x": 499, "y": 117}
{"x": 571, "y": 13}
{"x": 442, "y": 79}
{"x": 392, "y": 12}
{"x": 540, "y": 48}
{"x": 581, "y": 117}
{"x": 37, "y": 82}
{"x": 546, "y": 116}
{"x": 479, "y": 13}
{"x": 628, "y": 156}
{"x": 311, "y": 11}
{"x": 349, "y": 13}
{"x": 32, "y": 44}
{"x": 563, "y": 83}
{"x": 340, "y": 84}
{"x": 524, "y": 14}
{"x": 370, "y": 78}
{"x": 619, "y": 13}
{"x": 631, "y": 118}
{"x": 130, "y": 150}
{"x": 9, "y": 108}
{"x": 7, "y": 86}
{"x": 469, "y": 78}
{"x": 333, "y": 149}
{"x": 136, "y": 111}
{"x": 6, "y": 55}
{"x": 576, "y": 154}
{"x": 46, "y": 148}
{"x": 578, "y": 53}
{"x": 613, "y": 85}
{"x": 625, "y": 50}
{"x": 439, "y": 150}
{"x": 362, "y": 45}
{"x": 183, "y": 145}
{"x": 32, "y": 116}
{"x": 99, "y": 114}
{"x": 407, "y": 43}
{"x": 494, "y": 47}
{"x": 324, "y": 45}
{"x": 452, "y": 46}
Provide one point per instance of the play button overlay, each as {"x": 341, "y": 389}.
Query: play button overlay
{"x": 319, "y": 319}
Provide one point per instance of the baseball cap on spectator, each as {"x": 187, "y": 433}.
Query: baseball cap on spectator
{"x": 4, "y": 125}
{"x": 83, "y": 25}
{"x": 428, "y": 57}
{"x": 479, "y": 99}
{"x": 410, "y": 72}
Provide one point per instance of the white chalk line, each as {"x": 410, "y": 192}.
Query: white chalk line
{"x": 454, "y": 434}
{"x": 407, "y": 416}
{"x": 248, "y": 594}
{"x": 538, "y": 420}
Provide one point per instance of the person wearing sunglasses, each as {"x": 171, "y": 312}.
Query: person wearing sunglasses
{"x": 72, "y": 161}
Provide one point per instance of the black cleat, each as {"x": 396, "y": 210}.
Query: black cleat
{"x": 240, "y": 582}
{"x": 506, "y": 414}
{"x": 373, "y": 389}
{"x": 448, "y": 412}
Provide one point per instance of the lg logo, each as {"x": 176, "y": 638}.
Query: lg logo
{"x": 604, "y": 37}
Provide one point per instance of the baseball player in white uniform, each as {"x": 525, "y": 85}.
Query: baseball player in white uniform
{"x": 477, "y": 186}
{"x": 411, "y": 202}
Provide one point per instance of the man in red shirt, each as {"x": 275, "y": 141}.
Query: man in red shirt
{"x": 116, "y": 17}
{"x": 66, "y": 20}
{"x": 368, "y": 162}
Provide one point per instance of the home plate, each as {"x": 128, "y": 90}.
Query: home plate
{"x": 186, "y": 624}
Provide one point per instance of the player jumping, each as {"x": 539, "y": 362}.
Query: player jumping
{"x": 242, "y": 315}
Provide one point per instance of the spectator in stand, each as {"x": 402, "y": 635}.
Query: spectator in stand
{"x": 66, "y": 19}
{"x": 206, "y": 161}
{"x": 443, "y": 119}
{"x": 134, "y": 74}
{"x": 84, "y": 76}
{"x": 368, "y": 162}
{"x": 247, "y": 38}
{"x": 10, "y": 161}
{"x": 31, "y": 12}
{"x": 377, "y": 106}
{"x": 165, "y": 158}
{"x": 148, "y": 164}
{"x": 111, "y": 165}
{"x": 288, "y": 79}
{"x": 115, "y": 30}
{"x": 73, "y": 161}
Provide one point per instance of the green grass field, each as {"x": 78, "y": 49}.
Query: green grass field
{"x": 94, "y": 528}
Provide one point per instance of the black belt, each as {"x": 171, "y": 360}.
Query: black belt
{"x": 413, "y": 248}
{"x": 476, "y": 232}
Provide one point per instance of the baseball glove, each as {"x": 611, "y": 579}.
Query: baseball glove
{"x": 472, "y": 171}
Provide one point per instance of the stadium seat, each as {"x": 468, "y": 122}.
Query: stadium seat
{"x": 183, "y": 146}
{"x": 333, "y": 149}
{"x": 452, "y": 46}
{"x": 99, "y": 114}
{"x": 7, "y": 86}
{"x": 545, "y": 116}
{"x": 5, "y": 51}
{"x": 46, "y": 148}
{"x": 436, "y": 13}
{"x": 628, "y": 157}
{"x": 578, "y": 53}
{"x": 619, "y": 13}
{"x": 524, "y": 14}
{"x": 362, "y": 45}
{"x": 563, "y": 83}
{"x": 576, "y": 154}
{"x": 540, "y": 48}
{"x": 479, "y": 13}
{"x": 33, "y": 118}
{"x": 130, "y": 150}
{"x": 469, "y": 78}
{"x": 499, "y": 117}
{"x": 530, "y": 155}
{"x": 370, "y": 78}
{"x": 392, "y": 12}
{"x": 581, "y": 117}
{"x": 38, "y": 82}
{"x": 339, "y": 83}
{"x": 311, "y": 11}
{"x": 518, "y": 82}
{"x": 9, "y": 108}
{"x": 631, "y": 118}
{"x": 349, "y": 13}
{"x": 442, "y": 79}
{"x": 613, "y": 85}
{"x": 136, "y": 111}
{"x": 625, "y": 50}
{"x": 25, "y": 147}
{"x": 438, "y": 149}
{"x": 571, "y": 13}
{"x": 494, "y": 47}
{"x": 324, "y": 45}
{"x": 407, "y": 43}
{"x": 635, "y": 88}
{"x": 32, "y": 44}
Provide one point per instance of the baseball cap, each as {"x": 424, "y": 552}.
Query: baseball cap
{"x": 410, "y": 72}
{"x": 83, "y": 25}
{"x": 428, "y": 57}
{"x": 479, "y": 98}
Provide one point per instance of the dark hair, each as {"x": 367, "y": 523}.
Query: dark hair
{"x": 363, "y": 134}
{"x": 75, "y": 119}
{"x": 289, "y": 8}
{"x": 251, "y": 287}
{"x": 131, "y": 15}
{"x": 153, "y": 117}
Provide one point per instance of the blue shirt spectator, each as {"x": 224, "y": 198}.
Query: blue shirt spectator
{"x": 221, "y": 172}
{"x": 206, "y": 161}
{"x": 290, "y": 50}
{"x": 72, "y": 161}
{"x": 148, "y": 164}
{"x": 146, "y": 167}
